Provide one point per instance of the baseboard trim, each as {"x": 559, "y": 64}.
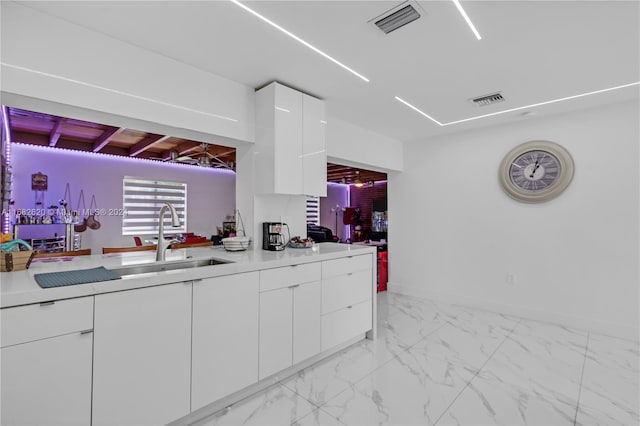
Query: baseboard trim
{"x": 588, "y": 324}
{"x": 226, "y": 403}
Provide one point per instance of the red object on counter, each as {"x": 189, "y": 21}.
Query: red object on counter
{"x": 383, "y": 270}
{"x": 191, "y": 240}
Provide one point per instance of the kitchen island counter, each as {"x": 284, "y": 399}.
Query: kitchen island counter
{"x": 232, "y": 329}
{"x": 20, "y": 288}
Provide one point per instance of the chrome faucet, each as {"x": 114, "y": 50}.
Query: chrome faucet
{"x": 162, "y": 243}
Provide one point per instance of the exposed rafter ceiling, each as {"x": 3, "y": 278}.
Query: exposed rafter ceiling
{"x": 337, "y": 173}
{"x": 48, "y": 130}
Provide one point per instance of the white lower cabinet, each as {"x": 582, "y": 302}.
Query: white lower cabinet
{"x": 142, "y": 355}
{"x": 289, "y": 317}
{"x": 345, "y": 324}
{"x": 152, "y": 355}
{"x": 306, "y": 321}
{"x": 344, "y": 290}
{"x": 47, "y": 382}
{"x": 289, "y": 326}
{"x": 46, "y": 363}
{"x": 347, "y": 293}
{"x": 276, "y": 339}
{"x": 225, "y": 336}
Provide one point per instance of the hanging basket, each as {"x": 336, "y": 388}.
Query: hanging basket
{"x": 92, "y": 222}
{"x": 81, "y": 226}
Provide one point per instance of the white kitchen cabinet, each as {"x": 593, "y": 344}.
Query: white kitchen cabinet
{"x": 289, "y": 316}
{"x": 344, "y": 290}
{"x": 345, "y": 324}
{"x": 47, "y": 381}
{"x": 276, "y": 339}
{"x": 314, "y": 155}
{"x": 347, "y": 294}
{"x": 306, "y": 321}
{"x": 142, "y": 355}
{"x": 225, "y": 336}
{"x": 290, "y": 155}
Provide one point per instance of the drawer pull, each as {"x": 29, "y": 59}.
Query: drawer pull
{"x": 349, "y": 307}
{"x": 47, "y": 303}
{"x": 350, "y": 273}
{"x": 294, "y": 286}
{"x": 87, "y": 331}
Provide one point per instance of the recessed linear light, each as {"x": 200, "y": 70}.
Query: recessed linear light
{"x": 595, "y": 92}
{"x": 466, "y": 18}
{"x": 298, "y": 39}
{"x": 419, "y": 111}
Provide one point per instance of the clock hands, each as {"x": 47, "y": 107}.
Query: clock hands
{"x": 533, "y": 172}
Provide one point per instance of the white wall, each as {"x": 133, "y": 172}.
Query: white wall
{"x": 48, "y": 58}
{"x": 210, "y": 193}
{"x": 575, "y": 258}
{"x": 355, "y": 146}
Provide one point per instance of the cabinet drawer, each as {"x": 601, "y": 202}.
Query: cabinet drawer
{"x": 272, "y": 279}
{"x": 344, "y": 290}
{"x": 344, "y": 324}
{"x": 335, "y": 267}
{"x": 39, "y": 321}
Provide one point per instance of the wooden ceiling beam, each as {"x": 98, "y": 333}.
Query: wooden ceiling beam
{"x": 20, "y": 136}
{"x": 56, "y": 131}
{"x": 105, "y": 137}
{"x": 223, "y": 152}
{"x": 187, "y": 147}
{"x": 146, "y": 143}
{"x": 218, "y": 151}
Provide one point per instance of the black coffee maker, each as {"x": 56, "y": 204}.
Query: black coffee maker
{"x": 272, "y": 236}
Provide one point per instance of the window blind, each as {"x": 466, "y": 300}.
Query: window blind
{"x": 142, "y": 200}
{"x": 313, "y": 210}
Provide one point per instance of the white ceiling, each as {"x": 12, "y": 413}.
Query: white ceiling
{"x": 531, "y": 51}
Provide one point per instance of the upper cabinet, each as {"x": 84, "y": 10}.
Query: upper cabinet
{"x": 290, "y": 155}
{"x": 314, "y": 149}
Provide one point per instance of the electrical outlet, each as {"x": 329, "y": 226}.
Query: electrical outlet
{"x": 511, "y": 278}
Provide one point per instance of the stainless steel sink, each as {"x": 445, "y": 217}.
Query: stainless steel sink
{"x": 166, "y": 266}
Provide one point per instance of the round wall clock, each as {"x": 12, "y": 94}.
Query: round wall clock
{"x": 536, "y": 171}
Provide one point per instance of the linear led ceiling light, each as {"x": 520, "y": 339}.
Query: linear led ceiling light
{"x": 553, "y": 101}
{"x": 419, "y": 111}
{"x": 299, "y": 40}
{"x": 466, "y": 18}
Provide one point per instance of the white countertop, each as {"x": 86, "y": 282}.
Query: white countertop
{"x": 20, "y": 288}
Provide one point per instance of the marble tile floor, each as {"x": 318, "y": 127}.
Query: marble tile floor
{"x": 440, "y": 364}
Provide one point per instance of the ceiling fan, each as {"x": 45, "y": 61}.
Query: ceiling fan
{"x": 200, "y": 157}
{"x": 356, "y": 181}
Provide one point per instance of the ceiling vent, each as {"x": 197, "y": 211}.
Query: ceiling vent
{"x": 485, "y": 100}
{"x": 397, "y": 17}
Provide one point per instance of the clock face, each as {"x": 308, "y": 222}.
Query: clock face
{"x": 536, "y": 171}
